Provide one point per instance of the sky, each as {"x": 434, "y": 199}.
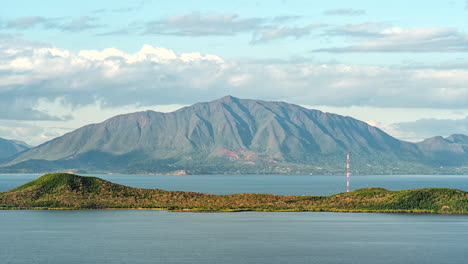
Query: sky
{"x": 399, "y": 65}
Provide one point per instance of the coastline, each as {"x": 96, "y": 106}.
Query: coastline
{"x": 195, "y": 210}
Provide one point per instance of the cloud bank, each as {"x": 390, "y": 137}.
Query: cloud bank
{"x": 270, "y": 33}
{"x": 425, "y": 128}
{"x": 42, "y": 84}
{"x": 63, "y": 24}
{"x": 155, "y": 75}
{"x": 196, "y": 24}
{"x": 371, "y": 37}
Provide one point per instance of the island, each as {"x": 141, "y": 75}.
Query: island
{"x": 70, "y": 191}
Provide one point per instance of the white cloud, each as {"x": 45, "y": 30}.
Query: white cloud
{"x": 239, "y": 80}
{"x": 375, "y": 38}
{"x": 62, "y": 23}
{"x": 147, "y": 53}
{"x": 197, "y": 24}
{"x": 112, "y": 73}
{"x": 429, "y": 127}
{"x": 274, "y": 32}
{"x": 77, "y": 24}
{"x": 21, "y": 64}
{"x": 35, "y": 78}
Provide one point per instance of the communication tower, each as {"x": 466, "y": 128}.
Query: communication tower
{"x": 348, "y": 172}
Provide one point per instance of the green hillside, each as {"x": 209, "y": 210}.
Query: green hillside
{"x": 68, "y": 191}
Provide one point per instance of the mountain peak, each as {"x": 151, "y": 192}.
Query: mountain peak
{"x": 227, "y": 98}
{"x": 10, "y": 148}
{"x": 434, "y": 139}
{"x": 229, "y": 135}
{"x": 458, "y": 138}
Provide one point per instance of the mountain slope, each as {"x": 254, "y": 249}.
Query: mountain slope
{"x": 449, "y": 151}
{"x": 227, "y": 135}
{"x": 9, "y": 148}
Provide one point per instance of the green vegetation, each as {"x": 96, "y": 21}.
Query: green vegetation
{"x": 68, "y": 191}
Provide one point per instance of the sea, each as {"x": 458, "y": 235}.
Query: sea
{"x": 150, "y": 236}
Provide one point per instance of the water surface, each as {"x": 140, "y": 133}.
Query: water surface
{"x": 272, "y": 184}
{"x": 138, "y": 236}
{"x": 133, "y": 236}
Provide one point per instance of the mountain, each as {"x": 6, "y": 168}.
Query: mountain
{"x": 9, "y": 148}
{"x": 232, "y": 135}
{"x": 68, "y": 191}
{"x": 449, "y": 151}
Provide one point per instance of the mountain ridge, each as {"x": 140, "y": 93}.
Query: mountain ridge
{"x": 10, "y": 147}
{"x": 237, "y": 136}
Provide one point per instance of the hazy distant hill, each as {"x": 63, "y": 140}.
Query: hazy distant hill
{"x": 450, "y": 151}
{"x": 232, "y": 135}
{"x": 9, "y": 148}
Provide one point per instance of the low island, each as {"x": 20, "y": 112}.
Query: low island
{"x": 69, "y": 191}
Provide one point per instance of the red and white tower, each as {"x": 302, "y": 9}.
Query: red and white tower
{"x": 348, "y": 172}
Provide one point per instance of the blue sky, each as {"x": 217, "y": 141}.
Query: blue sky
{"x": 400, "y": 65}
{"x": 113, "y": 16}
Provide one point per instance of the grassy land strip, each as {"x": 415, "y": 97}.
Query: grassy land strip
{"x": 67, "y": 191}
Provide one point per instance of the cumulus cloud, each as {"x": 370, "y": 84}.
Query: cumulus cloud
{"x": 345, "y": 12}
{"x": 282, "y": 31}
{"x": 33, "y": 78}
{"x": 196, "y": 24}
{"x": 374, "y": 38}
{"x": 155, "y": 75}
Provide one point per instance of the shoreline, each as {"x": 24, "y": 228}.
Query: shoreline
{"x": 240, "y": 210}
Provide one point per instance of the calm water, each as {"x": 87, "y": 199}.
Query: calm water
{"x": 121, "y": 236}
{"x": 274, "y": 184}
{"x": 133, "y": 236}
